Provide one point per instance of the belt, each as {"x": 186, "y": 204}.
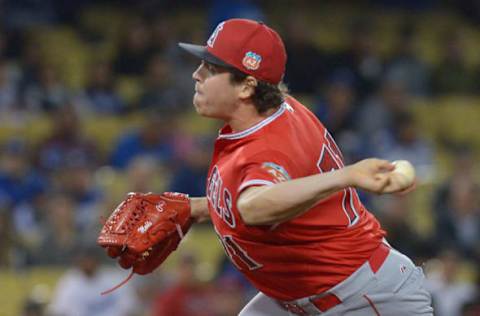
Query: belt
{"x": 325, "y": 301}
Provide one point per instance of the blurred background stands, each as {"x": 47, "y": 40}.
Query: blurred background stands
{"x": 95, "y": 101}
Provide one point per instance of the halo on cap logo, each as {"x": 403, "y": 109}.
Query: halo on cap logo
{"x": 251, "y": 61}
{"x": 214, "y": 35}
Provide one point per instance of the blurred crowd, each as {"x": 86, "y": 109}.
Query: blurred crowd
{"x": 120, "y": 62}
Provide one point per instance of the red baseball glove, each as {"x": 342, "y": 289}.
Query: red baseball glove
{"x": 145, "y": 228}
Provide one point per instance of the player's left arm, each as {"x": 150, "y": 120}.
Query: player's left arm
{"x": 282, "y": 201}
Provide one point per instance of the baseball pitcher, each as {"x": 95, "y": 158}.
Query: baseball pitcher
{"x": 281, "y": 200}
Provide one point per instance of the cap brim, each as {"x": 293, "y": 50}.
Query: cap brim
{"x": 202, "y": 53}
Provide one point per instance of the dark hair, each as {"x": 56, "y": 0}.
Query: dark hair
{"x": 267, "y": 95}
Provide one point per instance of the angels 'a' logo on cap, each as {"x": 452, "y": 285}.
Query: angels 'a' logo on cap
{"x": 251, "y": 61}
{"x": 214, "y": 35}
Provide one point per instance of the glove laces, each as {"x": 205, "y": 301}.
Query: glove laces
{"x": 130, "y": 275}
{"x": 116, "y": 287}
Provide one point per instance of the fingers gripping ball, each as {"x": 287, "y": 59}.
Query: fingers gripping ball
{"x": 145, "y": 228}
{"x": 404, "y": 173}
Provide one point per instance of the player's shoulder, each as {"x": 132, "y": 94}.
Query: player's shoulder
{"x": 282, "y": 128}
{"x": 297, "y": 106}
{"x": 293, "y": 103}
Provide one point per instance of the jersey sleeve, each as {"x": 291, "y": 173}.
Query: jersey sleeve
{"x": 266, "y": 168}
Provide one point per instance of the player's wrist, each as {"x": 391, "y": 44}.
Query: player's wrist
{"x": 346, "y": 177}
{"x": 199, "y": 209}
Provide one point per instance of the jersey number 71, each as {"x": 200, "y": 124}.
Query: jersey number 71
{"x": 331, "y": 159}
{"x": 238, "y": 256}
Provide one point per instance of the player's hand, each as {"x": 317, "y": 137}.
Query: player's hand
{"x": 396, "y": 186}
{"x": 371, "y": 175}
{"x": 378, "y": 176}
{"x": 402, "y": 179}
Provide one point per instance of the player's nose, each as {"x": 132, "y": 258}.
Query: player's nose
{"x": 196, "y": 74}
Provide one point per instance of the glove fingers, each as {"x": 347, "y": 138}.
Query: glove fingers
{"x": 127, "y": 260}
{"x": 114, "y": 252}
{"x": 158, "y": 255}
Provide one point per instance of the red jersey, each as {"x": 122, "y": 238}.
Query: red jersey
{"x": 308, "y": 254}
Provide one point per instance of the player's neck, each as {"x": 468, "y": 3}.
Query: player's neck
{"x": 246, "y": 117}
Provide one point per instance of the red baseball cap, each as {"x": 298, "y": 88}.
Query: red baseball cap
{"x": 247, "y": 45}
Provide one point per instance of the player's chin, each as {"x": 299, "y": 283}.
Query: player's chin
{"x": 200, "y": 107}
{"x": 196, "y": 102}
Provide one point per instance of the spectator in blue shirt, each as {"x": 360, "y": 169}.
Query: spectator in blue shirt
{"x": 152, "y": 139}
{"x": 191, "y": 176}
{"x": 19, "y": 181}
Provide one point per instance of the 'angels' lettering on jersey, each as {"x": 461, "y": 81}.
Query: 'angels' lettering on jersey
{"x": 220, "y": 197}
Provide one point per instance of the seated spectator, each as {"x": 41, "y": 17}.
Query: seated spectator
{"x": 461, "y": 178}
{"x": 453, "y": 75}
{"x": 152, "y": 139}
{"x": 66, "y": 142}
{"x": 29, "y": 223}
{"x": 48, "y": 93}
{"x": 27, "y": 14}
{"x": 336, "y": 106}
{"x": 190, "y": 177}
{"x": 393, "y": 213}
{"x": 134, "y": 50}
{"x": 78, "y": 290}
{"x": 472, "y": 307}
{"x": 458, "y": 220}
{"x": 60, "y": 239}
{"x": 67, "y": 214}
{"x": 336, "y": 109}
{"x": 188, "y": 296}
{"x": 161, "y": 90}
{"x": 362, "y": 57}
{"x": 406, "y": 66}
{"x": 8, "y": 92}
{"x": 19, "y": 181}
{"x": 6, "y": 238}
{"x": 228, "y": 295}
{"x": 228, "y": 271}
{"x": 404, "y": 141}
{"x": 31, "y": 62}
{"x": 32, "y": 308}
{"x": 99, "y": 96}
{"x": 164, "y": 36}
{"x": 462, "y": 169}
{"x": 449, "y": 292}
{"x": 378, "y": 112}
{"x": 3, "y": 43}
{"x": 221, "y": 10}
{"x": 306, "y": 63}
{"x": 146, "y": 290}
{"x": 36, "y": 302}
{"x": 143, "y": 174}
{"x": 76, "y": 180}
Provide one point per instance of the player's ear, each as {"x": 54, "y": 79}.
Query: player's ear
{"x": 247, "y": 88}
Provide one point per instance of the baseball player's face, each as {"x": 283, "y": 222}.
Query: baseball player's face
{"x": 215, "y": 96}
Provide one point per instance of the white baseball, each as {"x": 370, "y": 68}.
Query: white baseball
{"x": 404, "y": 173}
